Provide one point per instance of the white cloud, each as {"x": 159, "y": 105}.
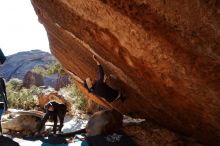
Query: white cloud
{"x": 19, "y": 28}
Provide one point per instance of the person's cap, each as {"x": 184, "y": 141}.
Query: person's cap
{"x": 2, "y": 57}
{"x": 89, "y": 83}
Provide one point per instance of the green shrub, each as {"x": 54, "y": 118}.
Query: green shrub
{"x": 52, "y": 68}
{"x": 14, "y": 84}
{"x": 21, "y": 98}
{"x": 39, "y": 70}
{"x": 72, "y": 93}
{"x": 81, "y": 103}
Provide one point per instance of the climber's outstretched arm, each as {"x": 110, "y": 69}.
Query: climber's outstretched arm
{"x": 100, "y": 69}
{"x": 96, "y": 60}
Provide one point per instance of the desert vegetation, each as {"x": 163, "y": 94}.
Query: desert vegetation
{"x": 52, "y": 68}
{"x": 23, "y": 98}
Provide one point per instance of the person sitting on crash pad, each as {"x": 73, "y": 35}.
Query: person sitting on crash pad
{"x": 3, "y": 95}
{"x": 100, "y": 88}
{"x": 54, "y": 110}
{"x": 104, "y": 128}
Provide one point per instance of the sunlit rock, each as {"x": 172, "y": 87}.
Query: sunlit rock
{"x": 163, "y": 54}
{"x": 44, "y": 98}
{"x": 22, "y": 122}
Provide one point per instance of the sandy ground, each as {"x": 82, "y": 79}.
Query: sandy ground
{"x": 71, "y": 124}
{"x": 142, "y": 132}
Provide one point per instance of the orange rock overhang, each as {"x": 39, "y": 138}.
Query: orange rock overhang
{"x": 164, "y": 54}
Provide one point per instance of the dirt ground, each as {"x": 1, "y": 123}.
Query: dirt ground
{"x": 142, "y": 131}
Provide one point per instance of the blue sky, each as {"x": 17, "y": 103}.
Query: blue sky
{"x": 19, "y": 28}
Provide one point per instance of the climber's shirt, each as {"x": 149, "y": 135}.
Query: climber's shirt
{"x": 101, "y": 89}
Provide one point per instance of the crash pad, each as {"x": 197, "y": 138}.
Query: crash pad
{"x": 40, "y": 143}
{"x": 79, "y": 143}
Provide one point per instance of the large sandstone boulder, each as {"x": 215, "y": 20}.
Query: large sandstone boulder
{"x": 24, "y": 122}
{"x": 104, "y": 122}
{"x": 164, "y": 54}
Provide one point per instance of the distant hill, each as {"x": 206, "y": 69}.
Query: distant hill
{"x": 20, "y": 65}
{"x": 17, "y": 65}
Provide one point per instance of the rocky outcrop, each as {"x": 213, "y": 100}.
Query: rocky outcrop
{"x": 62, "y": 81}
{"x": 164, "y": 54}
{"x": 24, "y": 122}
{"x": 56, "y": 81}
{"x": 17, "y": 65}
{"x": 44, "y": 98}
{"x": 20, "y": 66}
{"x": 32, "y": 78}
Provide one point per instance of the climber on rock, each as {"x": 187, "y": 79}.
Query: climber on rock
{"x": 53, "y": 110}
{"x": 3, "y": 95}
{"x": 100, "y": 88}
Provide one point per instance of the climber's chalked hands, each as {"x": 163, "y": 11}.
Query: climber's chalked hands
{"x": 96, "y": 60}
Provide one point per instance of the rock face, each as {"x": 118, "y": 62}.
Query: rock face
{"x": 32, "y": 78}
{"x": 164, "y": 54}
{"x": 55, "y": 81}
{"x": 62, "y": 81}
{"x": 25, "y": 122}
{"x": 148, "y": 134}
{"x": 17, "y": 65}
